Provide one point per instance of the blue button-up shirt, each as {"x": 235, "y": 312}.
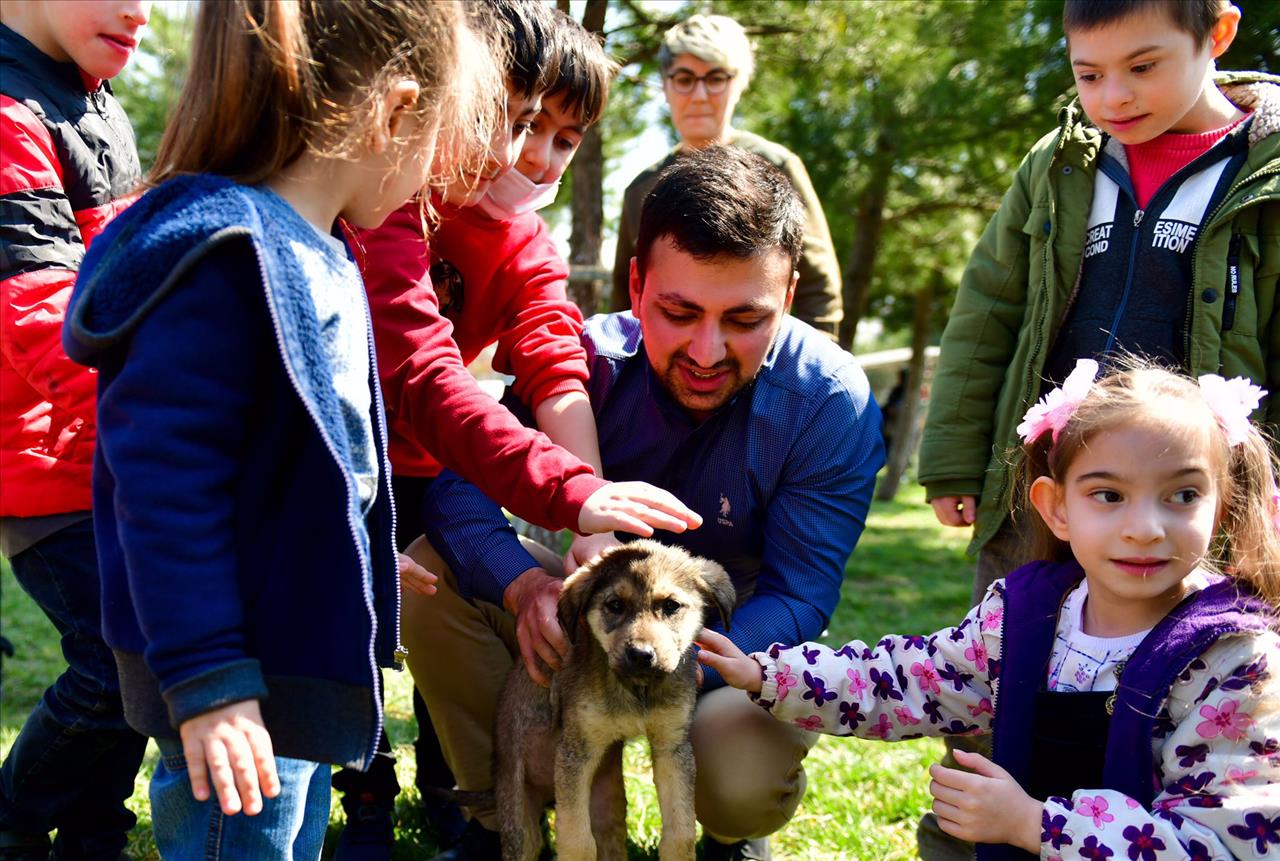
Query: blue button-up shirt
{"x": 782, "y": 475}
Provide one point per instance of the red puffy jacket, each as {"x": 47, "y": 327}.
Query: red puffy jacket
{"x": 69, "y": 163}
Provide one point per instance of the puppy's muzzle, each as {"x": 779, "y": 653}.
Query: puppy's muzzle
{"x": 639, "y": 659}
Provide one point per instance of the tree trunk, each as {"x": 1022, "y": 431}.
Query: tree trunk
{"x": 588, "y": 193}
{"x": 906, "y": 427}
{"x": 867, "y": 223}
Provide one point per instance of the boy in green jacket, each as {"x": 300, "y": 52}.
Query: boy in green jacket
{"x": 1148, "y": 222}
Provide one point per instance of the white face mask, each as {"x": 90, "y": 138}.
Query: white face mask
{"x": 513, "y": 194}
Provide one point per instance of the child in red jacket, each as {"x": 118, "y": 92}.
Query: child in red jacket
{"x": 492, "y": 275}
{"x": 69, "y": 165}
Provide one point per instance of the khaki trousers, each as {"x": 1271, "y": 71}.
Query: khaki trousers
{"x": 750, "y": 776}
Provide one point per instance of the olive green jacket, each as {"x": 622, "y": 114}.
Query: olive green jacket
{"x": 1017, "y": 285}
{"x": 818, "y": 299}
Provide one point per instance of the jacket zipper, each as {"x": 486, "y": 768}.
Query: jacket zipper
{"x": 365, "y": 563}
{"x": 1134, "y": 242}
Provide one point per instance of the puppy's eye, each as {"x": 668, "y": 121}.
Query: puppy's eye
{"x": 670, "y": 607}
{"x": 614, "y": 605}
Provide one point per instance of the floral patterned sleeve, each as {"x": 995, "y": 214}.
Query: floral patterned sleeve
{"x": 1217, "y": 749}
{"x": 902, "y": 687}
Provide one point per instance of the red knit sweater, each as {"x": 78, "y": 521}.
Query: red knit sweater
{"x": 1153, "y": 162}
{"x": 436, "y": 412}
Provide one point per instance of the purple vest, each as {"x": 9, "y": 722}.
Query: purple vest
{"x": 1033, "y": 596}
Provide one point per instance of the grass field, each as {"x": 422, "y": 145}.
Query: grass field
{"x": 908, "y": 575}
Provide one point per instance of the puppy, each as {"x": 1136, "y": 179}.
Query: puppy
{"x": 631, "y": 615}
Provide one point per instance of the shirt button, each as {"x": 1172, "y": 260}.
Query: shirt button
{"x": 1210, "y": 295}
{"x": 1066, "y": 170}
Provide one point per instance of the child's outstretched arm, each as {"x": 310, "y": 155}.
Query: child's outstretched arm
{"x": 901, "y": 687}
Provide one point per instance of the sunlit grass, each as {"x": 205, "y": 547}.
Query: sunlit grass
{"x": 908, "y": 575}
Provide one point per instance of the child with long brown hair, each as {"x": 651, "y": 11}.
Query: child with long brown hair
{"x": 242, "y": 495}
{"x": 1129, "y": 678}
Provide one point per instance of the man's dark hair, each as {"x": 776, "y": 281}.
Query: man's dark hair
{"x": 584, "y": 73}
{"x": 722, "y": 200}
{"x": 526, "y": 30}
{"x": 1195, "y": 17}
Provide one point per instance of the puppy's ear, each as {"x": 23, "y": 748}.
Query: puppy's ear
{"x": 573, "y": 599}
{"x": 718, "y": 590}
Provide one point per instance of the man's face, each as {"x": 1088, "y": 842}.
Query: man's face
{"x": 708, "y": 324}
{"x": 1142, "y": 76}
{"x": 504, "y": 149}
{"x": 700, "y": 117}
{"x": 553, "y": 138}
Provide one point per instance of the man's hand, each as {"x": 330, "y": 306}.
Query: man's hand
{"x": 587, "y": 547}
{"x": 532, "y": 599}
{"x": 416, "y": 578}
{"x": 637, "y": 507}
{"x": 955, "y": 510}
{"x": 720, "y": 654}
{"x": 985, "y": 806}
{"x": 231, "y": 746}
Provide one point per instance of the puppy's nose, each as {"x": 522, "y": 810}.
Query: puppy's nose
{"x": 640, "y": 657}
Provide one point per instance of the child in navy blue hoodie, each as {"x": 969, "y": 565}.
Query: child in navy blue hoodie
{"x": 242, "y": 494}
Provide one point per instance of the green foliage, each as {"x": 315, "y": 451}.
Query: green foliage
{"x": 908, "y": 575}
{"x": 149, "y": 86}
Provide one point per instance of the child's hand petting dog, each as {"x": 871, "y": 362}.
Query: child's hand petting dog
{"x": 720, "y": 654}
{"x": 985, "y": 805}
{"x": 637, "y": 507}
{"x": 231, "y": 747}
{"x": 416, "y": 578}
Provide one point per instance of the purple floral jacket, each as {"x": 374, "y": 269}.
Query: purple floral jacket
{"x": 1216, "y": 748}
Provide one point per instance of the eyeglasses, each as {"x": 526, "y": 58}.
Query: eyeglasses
{"x": 683, "y": 81}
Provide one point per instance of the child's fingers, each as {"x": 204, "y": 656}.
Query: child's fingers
{"x": 716, "y": 642}
{"x": 954, "y": 778}
{"x": 264, "y": 761}
{"x": 979, "y": 763}
{"x": 946, "y": 820}
{"x": 197, "y": 774}
{"x": 221, "y": 775}
{"x": 244, "y": 767}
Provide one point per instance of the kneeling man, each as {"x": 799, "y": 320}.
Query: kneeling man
{"x": 752, "y": 418}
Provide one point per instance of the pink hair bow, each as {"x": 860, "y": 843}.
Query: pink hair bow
{"x": 1055, "y": 409}
{"x": 1231, "y": 401}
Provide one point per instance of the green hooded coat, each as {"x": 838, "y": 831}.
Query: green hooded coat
{"x": 1018, "y": 284}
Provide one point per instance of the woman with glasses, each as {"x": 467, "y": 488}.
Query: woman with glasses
{"x": 706, "y": 64}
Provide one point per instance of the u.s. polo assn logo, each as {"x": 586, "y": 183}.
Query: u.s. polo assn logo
{"x": 725, "y": 510}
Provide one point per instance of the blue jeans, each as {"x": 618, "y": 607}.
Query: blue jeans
{"x": 72, "y": 766}
{"x": 290, "y": 827}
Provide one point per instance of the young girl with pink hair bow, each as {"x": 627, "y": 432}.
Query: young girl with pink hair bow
{"x": 1130, "y": 677}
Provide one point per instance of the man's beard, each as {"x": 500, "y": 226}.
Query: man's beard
{"x": 674, "y": 381}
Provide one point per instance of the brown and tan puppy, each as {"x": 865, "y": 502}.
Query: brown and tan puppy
{"x": 631, "y": 616}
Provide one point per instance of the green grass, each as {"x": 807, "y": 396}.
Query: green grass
{"x": 908, "y": 575}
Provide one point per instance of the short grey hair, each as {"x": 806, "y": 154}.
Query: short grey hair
{"x": 712, "y": 39}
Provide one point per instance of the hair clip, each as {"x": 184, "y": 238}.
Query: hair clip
{"x": 1231, "y": 401}
{"x": 1055, "y": 409}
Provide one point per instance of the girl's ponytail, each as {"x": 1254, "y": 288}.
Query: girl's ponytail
{"x": 1250, "y": 537}
{"x": 270, "y": 79}
{"x": 245, "y": 106}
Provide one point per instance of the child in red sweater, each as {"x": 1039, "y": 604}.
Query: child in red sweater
{"x": 492, "y": 275}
